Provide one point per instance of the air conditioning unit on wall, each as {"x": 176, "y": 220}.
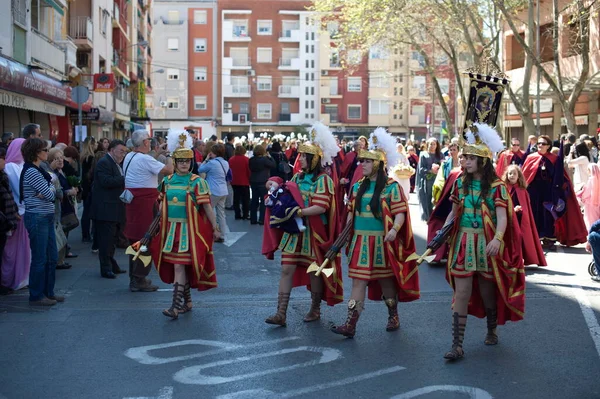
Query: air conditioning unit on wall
{"x": 324, "y": 73}
{"x": 163, "y": 104}
{"x": 326, "y": 101}
{"x": 227, "y": 106}
{"x": 250, "y": 72}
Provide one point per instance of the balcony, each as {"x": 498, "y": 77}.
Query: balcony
{"x": 236, "y": 91}
{"x": 234, "y": 119}
{"x": 290, "y": 118}
{"x": 289, "y": 91}
{"x": 122, "y": 101}
{"x": 236, "y": 63}
{"x": 70, "y": 49}
{"x": 235, "y": 33}
{"x": 47, "y": 54}
{"x": 290, "y": 64}
{"x": 119, "y": 20}
{"x": 291, "y": 35}
{"x": 81, "y": 29}
{"x": 120, "y": 64}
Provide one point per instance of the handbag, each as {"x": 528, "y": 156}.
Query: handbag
{"x": 228, "y": 174}
{"x": 61, "y": 238}
{"x": 69, "y": 222}
{"x": 127, "y": 196}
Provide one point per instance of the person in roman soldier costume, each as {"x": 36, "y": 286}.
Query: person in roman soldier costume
{"x": 301, "y": 249}
{"x": 382, "y": 237}
{"x": 182, "y": 249}
{"x": 485, "y": 262}
{"x": 533, "y": 254}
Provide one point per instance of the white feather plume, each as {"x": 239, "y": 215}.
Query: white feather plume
{"x": 387, "y": 143}
{"x": 324, "y": 139}
{"x": 173, "y": 139}
{"x": 489, "y": 136}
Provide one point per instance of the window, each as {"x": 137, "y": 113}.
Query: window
{"x": 419, "y": 58}
{"x": 264, "y": 111}
{"x": 333, "y": 28}
{"x": 334, "y": 59}
{"x": 19, "y": 9}
{"x": 419, "y": 83}
{"x": 379, "y": 107}
{"x": 312, "y": 104}
{"x": 264, "y": 55}
{"x": 419, "y": 110}
{"x": 200, "y": 17}
{"x": 378, "y": 53}
{"x": 200, "y": 102}
{"x": 333, "y": 87}
{"x": 288, "y": 26}
{"x": 354, "y": 111}
{"x": 103, "y": 21}
{"x": 444, "y": 85}
{"x": 354, "y": 57}
{"x": 264, "y": 83}
{"x": 172, "y": 102}
{"x": 354, "y": 83}
{"x": 285, "y": 108}
{"x": 200, "y": 45}
{"x": 172, "y": 74}
{"x": 200, "y": 74}
{"x": 240, "y": 28}
{"x": 379, "y": 79}
{"x": 332, "y": 111}
{"x": 244, "y": 108}
{"x": 264, "y": 27}
{"x": 173, "y": 44}
{"x": 173, "y": 17}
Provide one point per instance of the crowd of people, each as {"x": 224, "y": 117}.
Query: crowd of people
{"x": 165, "y": 201}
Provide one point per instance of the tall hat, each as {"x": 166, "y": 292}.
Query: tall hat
{"x": 487, "y": 85}
{"x": 179, "y": 143}
{"x": 321, "y": 143}
{"x": 382, "y": 147}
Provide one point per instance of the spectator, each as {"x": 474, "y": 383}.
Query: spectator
{"x": 16, "y": 258}
{"x": 55, "y": 158}
{"x": 108, "y": 210}
{"x": 8, "y": 213}
{"x": 37, "y": 193}
{"x": 141, "y": 179}
{"x": 260, "y": 171}
{"x": 31, "y": 130}
{"x": 429, "y": 163}
{"x": 240, "y": 183}
{"x": 72, "y": 163}
{"x": 7, "y": 137}
{"x": 158, "y": 152}
{"x": 87, "y": 164}
{"x": 281, "y": 161}
{"x": 229, "y": 152}
{"x": 216, "y": 169}
{"x": 578, "y": 160}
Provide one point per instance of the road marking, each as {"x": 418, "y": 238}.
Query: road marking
{"x": 164, "y": 393}
{"x": 232, "y": 237}
{"x": 474, "y": 393}
{"x": 265, "y": 394}
{"x": 588, "y": 315}
{"x": 192, "y": 374}
{"x": 140, "y": 354}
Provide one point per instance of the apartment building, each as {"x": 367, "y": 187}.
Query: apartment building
{"x": 551, "y": 120}
{"x": 184, "y": 67}
{"x": 269, "y": 63}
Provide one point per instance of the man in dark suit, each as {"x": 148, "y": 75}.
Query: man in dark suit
{"x": 108, "y": 210}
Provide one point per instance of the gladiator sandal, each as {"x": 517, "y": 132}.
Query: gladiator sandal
{"x": 177, "y": 305}
{"x": 348, "y": 329}
{"x": 458, "y": 333}
{"x": 492, "y": 322}
{"x": 314, "y": 313}
{"x": 187, "y": 298}
{"x": 282, "y": 304}
{"x": 393, "y": 319}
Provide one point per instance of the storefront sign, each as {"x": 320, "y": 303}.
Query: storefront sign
{"x": 104, "y": 82}
{"x": 17, "y": 100}
{"x": 95, "y": 114}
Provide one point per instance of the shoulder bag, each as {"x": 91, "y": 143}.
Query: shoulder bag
{"x": 127, "y": 196}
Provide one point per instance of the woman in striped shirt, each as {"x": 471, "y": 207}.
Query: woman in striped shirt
{"x": 37, "y": 193}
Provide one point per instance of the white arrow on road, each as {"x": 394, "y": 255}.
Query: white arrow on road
{"x": 232, "y": 237}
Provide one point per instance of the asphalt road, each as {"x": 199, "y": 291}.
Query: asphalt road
{"x": 106, "y": 342}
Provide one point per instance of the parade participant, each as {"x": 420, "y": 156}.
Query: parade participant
{"x": 402, "y": 172}
{"x": 382, "y": 237}
{"x": 182, "y": 251}
{"x": 485, "y": 263}
{"x": 447, "y": 166}
{"x": 513, "y": 156}
{"x": 589, "y": 196}
{"x": 553, "y": 202}
{"x": 302, "y": 249}
{"x": 533, "y": 254}
{"x": 441, "y": 211}
{"x": 429, "y": 163}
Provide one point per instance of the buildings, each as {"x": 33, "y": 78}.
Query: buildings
{"x": 552, "y": 122}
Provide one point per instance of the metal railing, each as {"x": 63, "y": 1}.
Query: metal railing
{"x": 287, "y": 89}
{"x": 240, "y": 89}
{"x": 285, "y": 62}
{"x": 240, "y": 62}
{"x": 44, "y": 51}
{"x": 81, "y": 28}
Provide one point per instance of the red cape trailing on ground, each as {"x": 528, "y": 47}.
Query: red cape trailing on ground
{"x": 533, "y": 254}
{"x": 505, "y": 159}
{"x": 569, "y": 228}
{"x": 440, "y": 213}
{"x": 507, "y": 266}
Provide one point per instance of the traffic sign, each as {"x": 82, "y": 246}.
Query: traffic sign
{"x": 80, "y": 94}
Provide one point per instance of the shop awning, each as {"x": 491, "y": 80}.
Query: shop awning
{"x": 56, "y": 6}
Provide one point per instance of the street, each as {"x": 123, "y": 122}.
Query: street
{"x": 106, "y": 342}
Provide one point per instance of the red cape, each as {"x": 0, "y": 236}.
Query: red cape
{"x": 202, "y": 275}
{"x": 504, "y": 160}
{"x": 440, "y": 213}
{"x": 570, "y": 228}
{"x": 533, "y": 254}
{"x": 507, "y": 267}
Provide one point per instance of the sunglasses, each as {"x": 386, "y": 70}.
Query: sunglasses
{"x": 542, "y": 144}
